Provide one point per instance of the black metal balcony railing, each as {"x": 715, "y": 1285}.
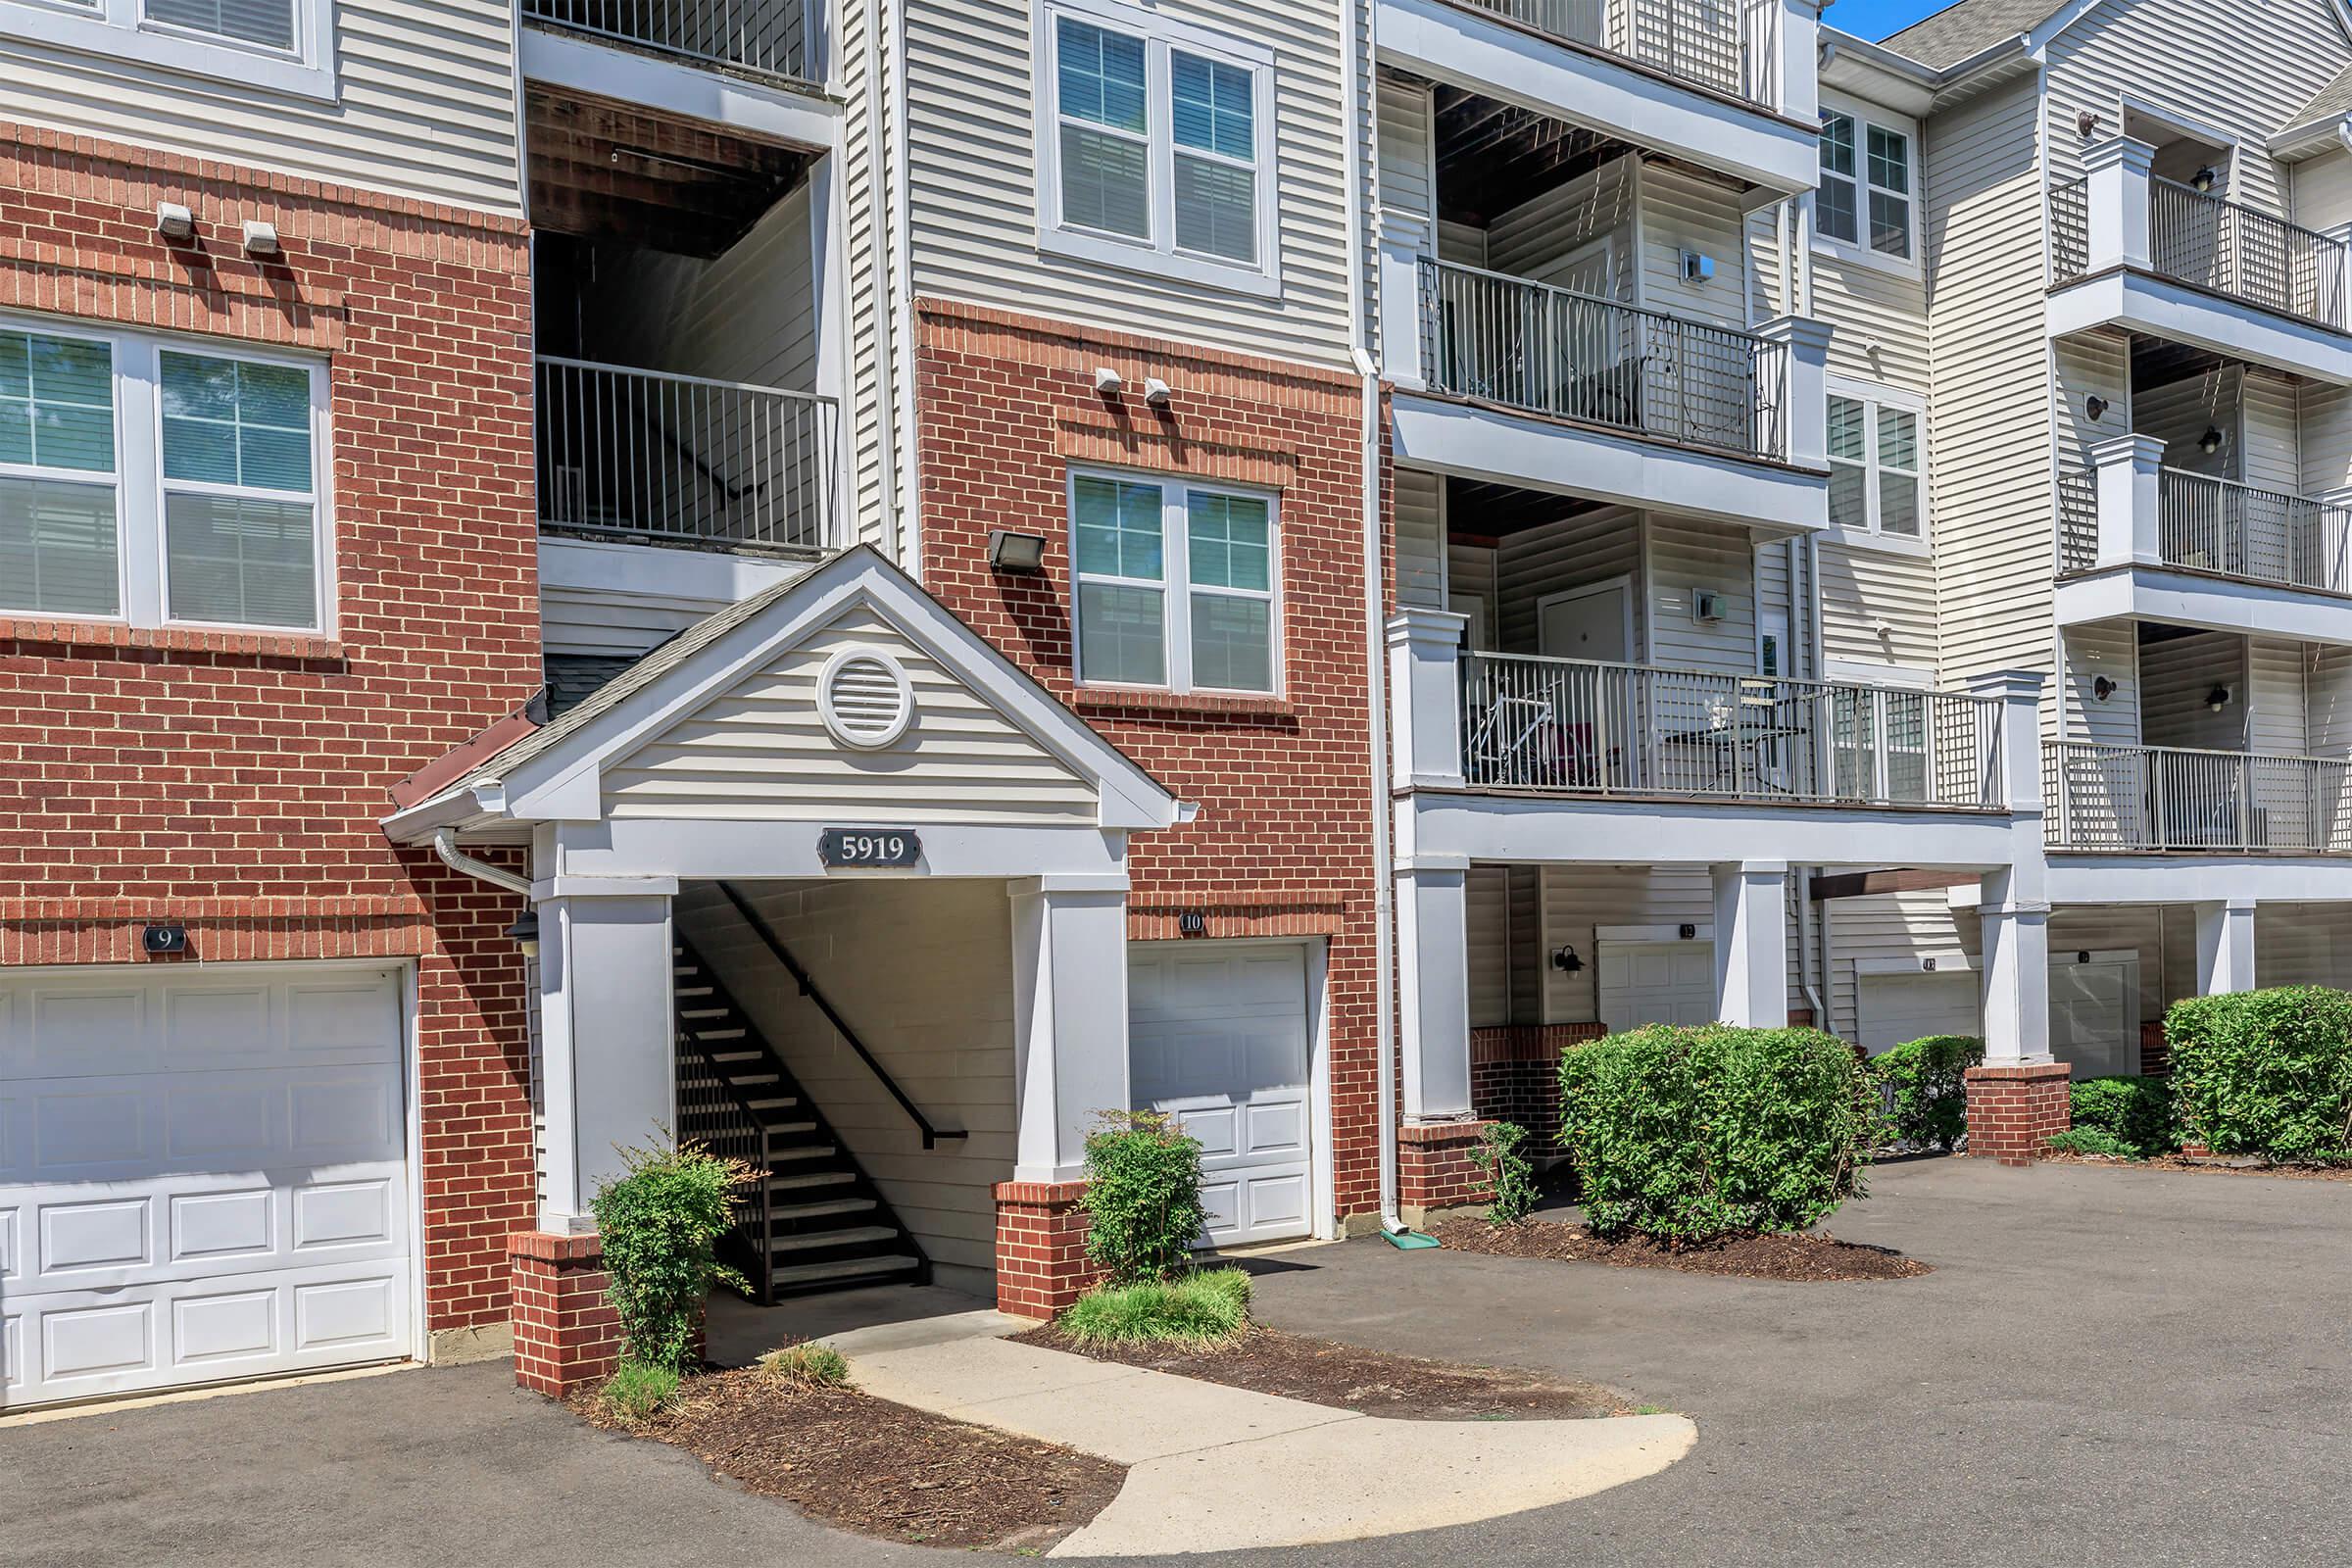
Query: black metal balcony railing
{"x": 2225, "y": 246}
{"x": 769, "y": 37}
{"x": 1725, "y": 45}
{"x": 2170, "y": 798}
{"x": 639, "y": 452}
{"x": 1574, "y": 727}
{"x": 2070, "y": 230}
{"x": 1514, "y": 341}
{"x": 2221, "y": 526}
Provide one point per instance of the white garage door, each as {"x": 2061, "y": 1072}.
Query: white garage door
{"x": 1656, "y": 982}
{"x": 1217, "y": 1036}
{"x": 202, "y": 1176}
{"x": 1897, "y": 1009}
{"x": 2094, "y": 1017}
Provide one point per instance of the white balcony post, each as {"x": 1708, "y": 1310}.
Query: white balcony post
{"x": 608, "y": 1049}
{"x": 1804, "y": 388}
{"x": 2129, "y": 475}
{"x": 1433, "y": 987}
{"x": 1401, "y": 316}
{"x": 2018, "y": 772}
{"x": 2117, "y": 197}
{"x": 1752, "y": 944}
{"x": 1069, "y": 1017}
{"x": 1795, "y": 70}
{"x": 2017, "y": 973}
{"x": 2225, "y": 947}
{"x": 1425, "y": 687}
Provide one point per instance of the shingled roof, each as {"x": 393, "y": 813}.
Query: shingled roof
{"x": 2332, "y": 102}
{"x": 1959, "y": 31}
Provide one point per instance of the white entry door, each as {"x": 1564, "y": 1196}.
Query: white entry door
{"x": 1588, "y": 623}
{"x": 202, "y": 1176}
{"x": 1895, "y": 1010}
{"x": 1656, "y": 982}
{"x": 2094, "y": 1017}
{"x": 1217, "y": 1037}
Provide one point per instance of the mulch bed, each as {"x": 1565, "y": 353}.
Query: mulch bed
{"x": 870, "y": 1465}
{"x": 2211, "y": 1165}
{"x": 1371, "y": 1382}
{"x": 1756, "y": 1258}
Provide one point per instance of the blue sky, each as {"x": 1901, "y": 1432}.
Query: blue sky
{"x": 1876, "y": 19}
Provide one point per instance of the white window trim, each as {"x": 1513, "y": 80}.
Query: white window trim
{"x": 1157, "y": 256}
{"x": 118, "y": 30}
{"x": 139, "y": 486}
{"x": 1175, "y": 582}
{"x": 1874, "y": 394}
{"x": 1858, "y": 249}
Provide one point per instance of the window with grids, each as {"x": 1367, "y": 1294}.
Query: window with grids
{"x": 1865, "y": 199}
{"x": 271, "y": 45}
{"x": 1156, "y": 145}
{"x": 146, "y": 482}
{"x": 1878, "y": 465}
{"x": 1176, "y": 585}
{"x": 264, "y": 23}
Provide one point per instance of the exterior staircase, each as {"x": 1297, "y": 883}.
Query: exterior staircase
{"x": 814, "y": 1221}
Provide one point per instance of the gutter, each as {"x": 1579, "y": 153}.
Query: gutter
{"x": 445, "y": 845}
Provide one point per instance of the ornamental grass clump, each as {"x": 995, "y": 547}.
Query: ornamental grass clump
{"x": 1143, "y": 1197}
{"x": 1196, "y": 1312}
{"x": 2266, "y": 1073}
{"x": 660, "y": 1224}
{"x": 1927, "y": 1086}
{"x": 1692, "y": 1135}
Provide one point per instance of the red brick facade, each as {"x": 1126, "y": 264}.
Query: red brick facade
{"x": 566, "y": 1333}
{"x": 1437, "y": 1168}
{"x": 1004, "y": 404}
{"x": 1042, "y": 1265}
{"x": 2013, "y": 1112}
{"x": 233, "y": 782}
{"x": 1515, "y": 1077}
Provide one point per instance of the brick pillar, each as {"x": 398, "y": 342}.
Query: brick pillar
{"x": 1042, "y": 1264}
{"x": 2013, "y": 1112}
{"x": 566, "y": 1333}
{"x": 1438, "y": 1168}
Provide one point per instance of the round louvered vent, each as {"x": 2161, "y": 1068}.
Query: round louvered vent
{"x": 865, "y": 698}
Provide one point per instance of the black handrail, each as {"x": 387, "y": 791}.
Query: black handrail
{"x": 800, "y": 976}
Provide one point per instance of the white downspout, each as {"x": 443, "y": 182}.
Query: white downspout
{"x": 1384, "y": 914}
{"x": 877, "y": 234}
{"x": 445, "y": 845}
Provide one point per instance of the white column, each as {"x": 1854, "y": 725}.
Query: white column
{"x": 1070, "y": 1011}
{"x": 1796, "y": 55}
{"x": 1401, "y": 316}
{"x": 607, "y": 1049}
{"x": 1804, "y": 388}
{"x": 2128, "y": 472}
{"x": 1433, "y": 988}
{"x": 2017, "y": 974}
{"x": 2225, "y": 947}
{"x": 1425, "y": 694}
{"x": 2116, "y": 171}
{"x": 1752, "y": 944}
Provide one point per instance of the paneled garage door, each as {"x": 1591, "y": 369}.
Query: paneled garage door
{"x": 1218, "y": 1035}
{"x": 202, "y": 1176}
{"x": 1895, "y": 1010}
{"x": 1656, "y": 982}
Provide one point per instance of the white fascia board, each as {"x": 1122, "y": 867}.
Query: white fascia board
{"x": 1520, "y": 830}
{"x": 1459, "y": 46}
{"x": 640, "y": 847}
{"x": 2187, "y": 599}
{"x": 1476, "y": 441}
{"x": 2097, "y": 879}
{"x": 2156, "y": 307}
{"x": 804, "y": 118}
{"x": 717, "y": 578}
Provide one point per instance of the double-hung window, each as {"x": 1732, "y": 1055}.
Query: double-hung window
{"x": 1877, "y": 463}
{"x": 160, "y": 483}
{"x": 1176, "y": 585}
{"x": 1867, "y": 202}
{"x": 1155, "y": 146}
{"x": 284, "y": 45}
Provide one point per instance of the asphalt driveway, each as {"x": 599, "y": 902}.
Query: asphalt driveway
{"x": 2107, "y": 1367}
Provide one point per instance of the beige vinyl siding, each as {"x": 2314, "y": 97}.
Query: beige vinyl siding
{"x": 1579, "y": 898}
{"x": 1408, "y": 199}
{"x": 1491, "y": 942}
{"x": 2303, "y": 945}
{"x": 2176, "y": 675}
{"x": 2327, "y": 699}
{"x": 947, "y": 1041}
{"x": 2275, "y": 701}
{"x": 614, "y": 624}
{"x": 1470, "y": 575}
{"x": 1904, "y": 926}
{"x": 1532, "y": 238}
{"x": 424, "y": 105}
{"x": 864, "y": 210}
{"x": 2327, "y": 444}
{"x": 972, "y": 183}
{"x": 2322, "y": 187}
{"x": 2093, "y": 365}
{"x": 747, "y": 315}
{"x": 1420, "y": 520}
{"x": 2109, "y": 649}
{"x": 1864, "y": 590}
{"x": 2180, "y": 412}
{"x": 2271, "y": 455}
{"x": 760, "y": 751}
{"x": 1686, "y": 559}
{"x": 1992, "y": 435}
{"x": 1575, "y": 552}
{"x": 1681, "y": 211}
{"x": 1532, "y": 947}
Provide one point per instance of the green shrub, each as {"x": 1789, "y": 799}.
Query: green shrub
{"x": 1143, "y": 1197}
{"x": 2094, "y": 1141}
{"x": 1200, "y": 1309}
{"x": 1514, "y": 1173}
{"x": 1691, "y": 1134}
{"x": 660, "y": 1224}
{"x": 2265, "y": 1072}
{"x": 636, "y": 1390}
{"x": 1927, "y": 1084}
{"x": 2135, "y": 1112}
{"x": 817, "y": 1367}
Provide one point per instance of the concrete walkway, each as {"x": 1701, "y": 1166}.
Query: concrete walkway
{"x": 1212, "y": 1468}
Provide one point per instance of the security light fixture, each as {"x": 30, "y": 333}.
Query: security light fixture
{"x": 1010, "y": 551}
{"x": 2095, "y": 407}
{"x": 1566, "y": 961}
{"x": 524, "y": 932}
{"x": 2211, "y": 441}
{"x": 2202, "y": 180}
{"x": 1156, "y": 393}
{"x": 2103, "y": 688}
{"x": 2086, "y": 123}
{"x": 2217, "y": 697}
{"x": 173, "y": 221}
{"x": 261, "y": 239}
{"x": 1108, "y": 381}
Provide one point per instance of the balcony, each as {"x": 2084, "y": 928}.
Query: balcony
{"x": 2152, "y": 256}
{"x": 2138, "y": 540}
{"x": 772, "y": 39}
{"x": 2176, "y": 801}
{"x": 1722, "y": 45}
{"x": 1629, "y": 405}
{"x": 650, "y": 456}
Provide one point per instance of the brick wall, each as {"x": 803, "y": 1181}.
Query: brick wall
{"x": 1515, "y": 1077}
{"x": 1438, "y": 1168}
{"x": 233, "y": 781}
{"x": 566, "y": 1333}
{"x": 2013, "y": 1112}
{"x": 1042, "y": 1265}
{"x": 1005, "y": 403}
